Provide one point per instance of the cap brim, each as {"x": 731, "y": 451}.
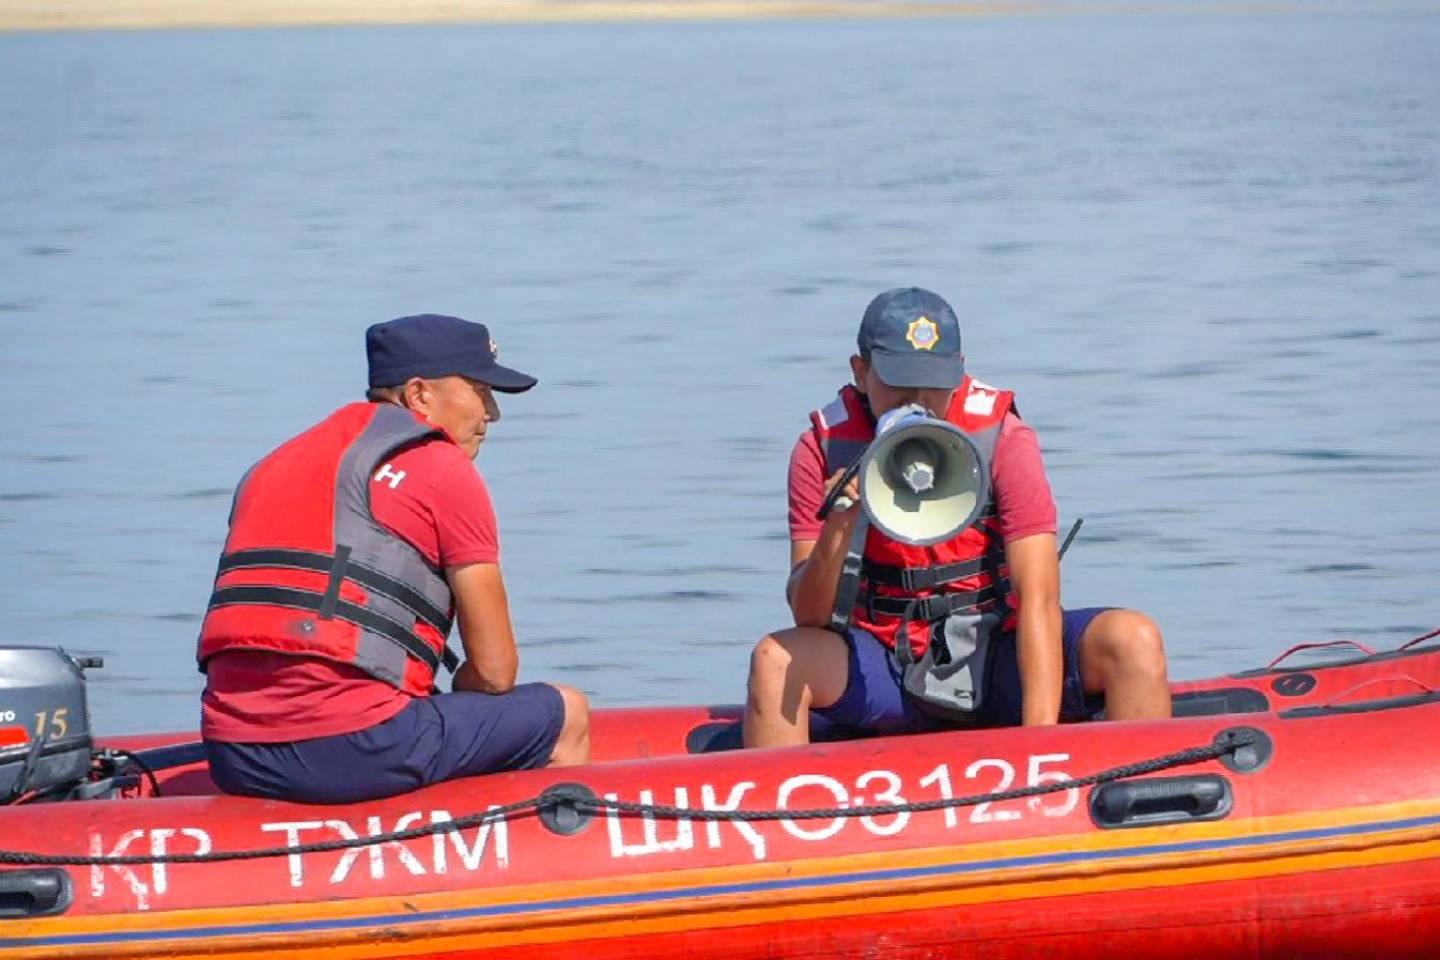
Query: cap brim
{"x": 503, "y": 378}
{"x": 943, "y": 372}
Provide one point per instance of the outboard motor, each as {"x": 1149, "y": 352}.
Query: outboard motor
{"x": 45, "y": 744}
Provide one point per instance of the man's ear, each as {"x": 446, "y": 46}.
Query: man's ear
{"x": 415, "y": 394}
{"x": 860, "y": 369}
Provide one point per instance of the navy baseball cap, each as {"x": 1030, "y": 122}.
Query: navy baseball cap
{"x": 429, "y": 345}
{"x": 912, "y": 339}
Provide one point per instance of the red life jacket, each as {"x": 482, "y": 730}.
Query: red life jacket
{"x": 306, "y": 570}
{"x": 918, "y": 586}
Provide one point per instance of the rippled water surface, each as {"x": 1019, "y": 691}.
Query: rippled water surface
{"x": 1205, "y": 253}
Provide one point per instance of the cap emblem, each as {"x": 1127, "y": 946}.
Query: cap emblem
{"x": 923, "y": 334}
{"x": 494, "y": 349}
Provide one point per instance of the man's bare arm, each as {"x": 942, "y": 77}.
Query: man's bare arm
{"x": 482, "y": 612}
{"x": 815, "y": 564}
{"x": 1035, "y": 575}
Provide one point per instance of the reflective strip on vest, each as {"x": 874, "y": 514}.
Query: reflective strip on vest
{"x": 838, "y": 452}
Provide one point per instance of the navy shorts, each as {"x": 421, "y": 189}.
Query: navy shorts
{"x": 434, "y": 738}
{"x": 874, "y": 698}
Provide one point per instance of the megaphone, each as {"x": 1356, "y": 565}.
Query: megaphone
{"x": 922, "y": 480}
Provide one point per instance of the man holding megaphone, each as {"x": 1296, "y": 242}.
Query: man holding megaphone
{"x": 925, "y": 579}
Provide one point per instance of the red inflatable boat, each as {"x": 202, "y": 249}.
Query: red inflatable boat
{"x": 1285, "y": 812}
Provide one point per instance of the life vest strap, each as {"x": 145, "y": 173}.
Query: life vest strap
{"x": 314, "y": 601}
{"x": 337, "y": 579}
{"x": 927, "y": 578}
{"x": 937, "y": 607}
{"x": 851, "y": 574}
{"x": 362, "y": 576}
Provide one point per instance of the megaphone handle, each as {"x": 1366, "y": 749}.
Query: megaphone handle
{"x": 837, "y": 491}
{"x": 1070, "y": 537}
{"x": 848, "y": 586}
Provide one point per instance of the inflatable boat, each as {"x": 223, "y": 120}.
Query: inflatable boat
{"x": 1289, "y": 811}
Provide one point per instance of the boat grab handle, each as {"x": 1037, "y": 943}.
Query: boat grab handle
{"x": 1420, "y": 639}
{"x": 1157, "y": 800}
{"x": 1317, "y": 646}
{"x": 1387, "y": 686}
{"x": 34, "y": 893}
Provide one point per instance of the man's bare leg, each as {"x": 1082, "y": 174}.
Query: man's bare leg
{"x": 1122, "y": 655}
{"x": 792, "y": 671}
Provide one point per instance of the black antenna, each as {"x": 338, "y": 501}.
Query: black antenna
{"x": 1070, "y": 537}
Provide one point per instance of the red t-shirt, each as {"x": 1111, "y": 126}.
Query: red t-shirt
{"x": 1022, "y": 492}
{"x": 442, "y": 508}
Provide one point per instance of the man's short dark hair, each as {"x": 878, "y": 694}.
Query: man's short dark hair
{"x": 384, "y": 394}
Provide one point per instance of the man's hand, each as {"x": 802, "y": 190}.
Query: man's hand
{"x": 815, "y": 564}
{"x": 848, "y": 497}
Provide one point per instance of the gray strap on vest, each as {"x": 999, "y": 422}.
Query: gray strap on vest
{"x": 904, "y": 654}
{"x": 373, "y": 546}
{"x": 849, "y": 585}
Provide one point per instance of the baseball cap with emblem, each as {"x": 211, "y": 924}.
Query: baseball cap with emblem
{"x": 429, "y": 345}
{"x": 912, "y": 339}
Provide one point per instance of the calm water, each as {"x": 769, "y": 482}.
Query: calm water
{"x": 1205, "y": 252}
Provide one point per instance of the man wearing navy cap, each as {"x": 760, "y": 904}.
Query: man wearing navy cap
{"x": 352, "y": 550}
{"x": 968, "y": 631}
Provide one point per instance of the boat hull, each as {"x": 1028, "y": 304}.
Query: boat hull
{"x": 1321, "y": 838}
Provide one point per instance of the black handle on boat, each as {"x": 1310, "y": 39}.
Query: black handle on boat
{"x": 34, "y": 893}
{"x": 1157, "y": 800}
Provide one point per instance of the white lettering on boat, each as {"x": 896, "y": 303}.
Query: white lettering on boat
{"x": 376, "y": 851}
{"x": 838, "y": 798}
{"x": 292, "y": 830}
{"x": 470, "y": 855}
{"x": 159, "y": 847}
{"x": 981, "y": 812}
{"x": 940, "y": 776}
{"x": 1037, "y": 777}
{"x": 890, "y": 795}
{"x": 158, "y": 842}
{"x": 754, "y": 837}
{"x": 649, "y": 833}
{"x": 490, "y": 839}
{"x": 871, "y": 788}
{"x": 121, "y": 848}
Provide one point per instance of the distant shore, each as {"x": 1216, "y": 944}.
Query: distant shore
{"x": 50, "y": 15}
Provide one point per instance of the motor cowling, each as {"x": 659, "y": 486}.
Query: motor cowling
{"x": 45, "y": 742}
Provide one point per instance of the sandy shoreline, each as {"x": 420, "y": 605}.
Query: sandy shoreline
{"x": 52, "y": 15}
{"x": 141, "y": 14}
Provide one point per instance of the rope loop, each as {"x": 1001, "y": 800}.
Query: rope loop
{"x": 1224, "y": 745}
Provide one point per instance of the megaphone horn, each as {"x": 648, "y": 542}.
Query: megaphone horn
{"x": 923, "y": 481}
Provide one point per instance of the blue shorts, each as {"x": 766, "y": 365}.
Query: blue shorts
{"x": 874, "y": 698}
{"x": 434, "y": 738}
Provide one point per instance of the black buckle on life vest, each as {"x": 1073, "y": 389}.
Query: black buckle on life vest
{"x": 915, "y": 579}
{"x": 937, "y": 607}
